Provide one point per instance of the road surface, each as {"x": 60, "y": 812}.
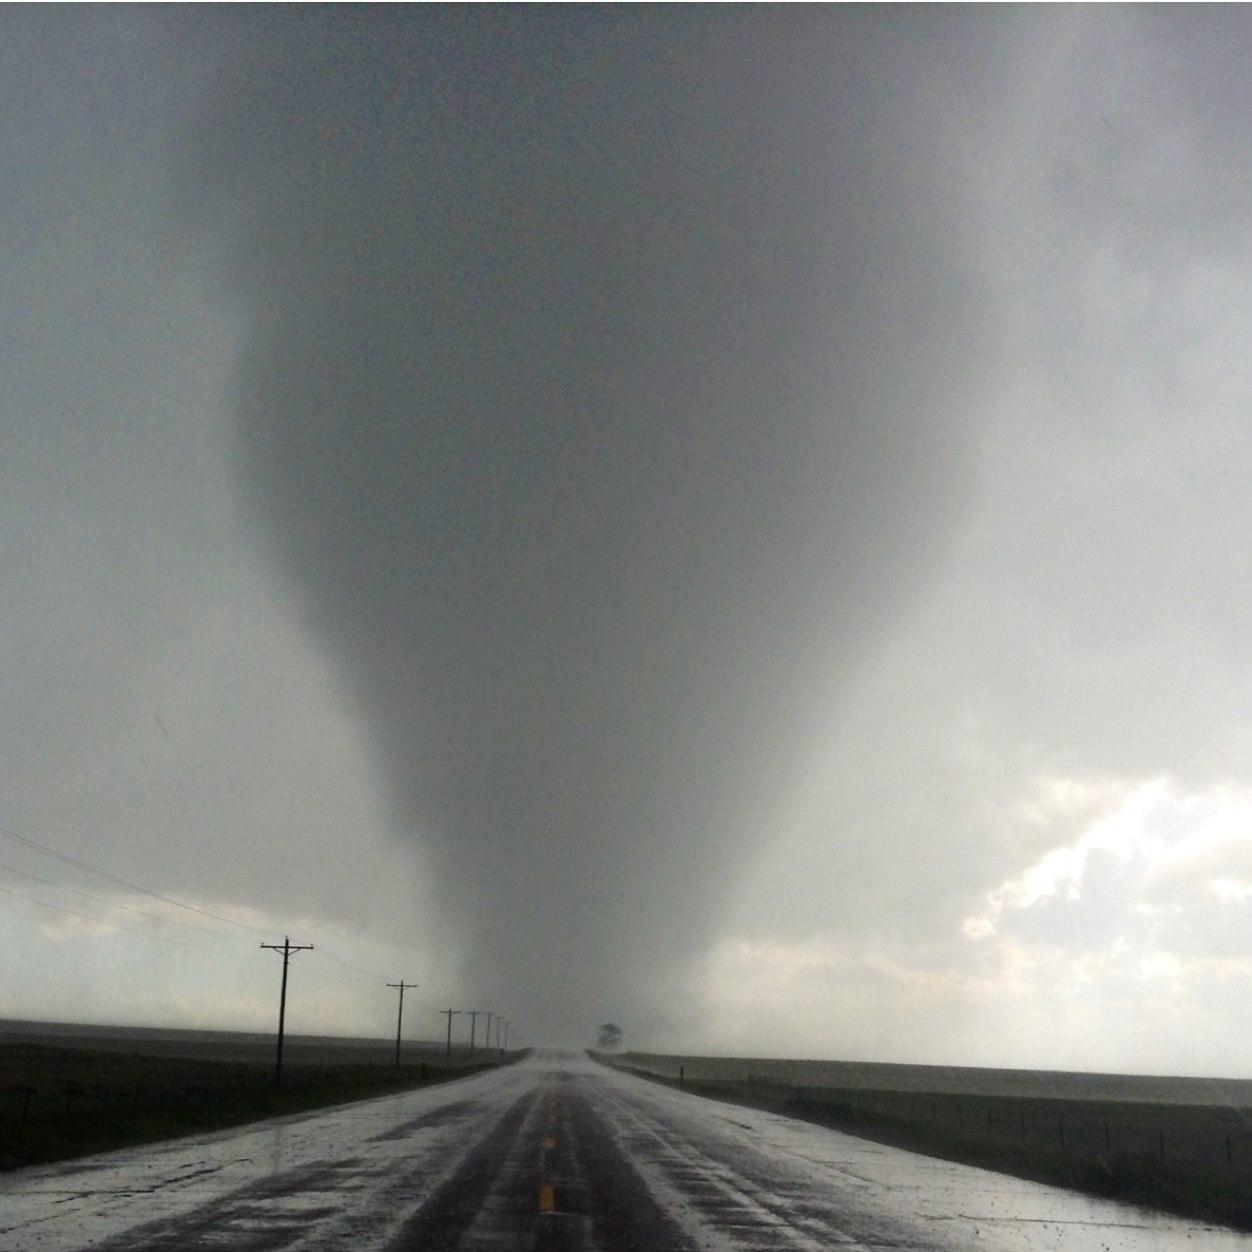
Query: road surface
{"x": 554, "y": 1153}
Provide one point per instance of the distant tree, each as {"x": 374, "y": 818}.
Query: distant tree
{"x": 609, "y": 1035}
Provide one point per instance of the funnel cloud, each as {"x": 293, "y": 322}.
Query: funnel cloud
{"x": 601, "y": 401}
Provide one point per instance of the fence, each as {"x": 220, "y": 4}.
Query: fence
{"x": 27, "y": 1103}
{"x": 1172, "y": 1134}
{"x": 1101, "y": 1134}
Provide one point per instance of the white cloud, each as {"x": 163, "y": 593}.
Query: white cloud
{"x": 1151, "y": 858}
{"x": 1115, "y": 947}
{"x": 1231, "y": 890}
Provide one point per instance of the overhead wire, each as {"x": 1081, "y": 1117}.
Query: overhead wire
{"x": 124, "y": 882}
{"x": 65, "y": 857}
{"x": 356, "y": 969}
{"x": 113, "y": 904}
{"x": 145, "y": 934}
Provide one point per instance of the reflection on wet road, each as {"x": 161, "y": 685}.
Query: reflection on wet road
{"x": 554, "y": 1153}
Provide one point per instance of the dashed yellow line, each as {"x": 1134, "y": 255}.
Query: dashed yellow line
{"x": 547, "y": 1193}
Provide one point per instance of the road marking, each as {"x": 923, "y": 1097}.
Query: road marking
{"x": 547, "y": 1198}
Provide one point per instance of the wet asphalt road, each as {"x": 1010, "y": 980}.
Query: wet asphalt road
{"x": 553, "y": 1153}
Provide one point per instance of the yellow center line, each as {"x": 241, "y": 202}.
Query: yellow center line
{"x": 547, "y": 1198}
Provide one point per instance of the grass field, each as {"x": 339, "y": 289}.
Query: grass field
{"x": 1111, "y": 1135}
{"x": 66, "y": 1094}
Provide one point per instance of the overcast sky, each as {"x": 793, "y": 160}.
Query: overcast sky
{"x": 728, "y": 520}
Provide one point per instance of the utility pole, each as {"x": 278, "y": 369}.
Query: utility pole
{"x": 450, "y": 1014}
{"x": 401, "y": 986}
{"x": 487, "y": 1036}
{"x": 286, "y": 948}
{"x": 474, "y": 1015}
{"x": 507, "y": 1026}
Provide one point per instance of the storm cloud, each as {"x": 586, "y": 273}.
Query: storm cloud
{"x": 603, "y": 398}
{"x": 732, "y": 520}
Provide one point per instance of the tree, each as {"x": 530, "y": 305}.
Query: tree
{"x": 609, "y": 1035}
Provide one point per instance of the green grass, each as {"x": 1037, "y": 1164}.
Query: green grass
{"x": 59, "y": 1103}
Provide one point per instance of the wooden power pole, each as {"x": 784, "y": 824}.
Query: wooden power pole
{"x": 286, "y": 948}
{"x": 449, "y": 1014}
{"x": 401, "y": 986}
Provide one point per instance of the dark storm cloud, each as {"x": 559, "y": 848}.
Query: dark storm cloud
{"x": 602, "y": 401}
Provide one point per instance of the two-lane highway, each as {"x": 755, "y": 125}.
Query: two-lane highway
{"x": 553, "y": 1153}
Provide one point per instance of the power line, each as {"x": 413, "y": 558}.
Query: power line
{"x": 104, "y": 873}
{"x": 355, "y": 981}
{"x": 356, "y": 969}
{"x": 113, "y": 904}
{"x": 146, "y": 934}
{"x": 361, "y": 972}
{"x": 130, "y": 930}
